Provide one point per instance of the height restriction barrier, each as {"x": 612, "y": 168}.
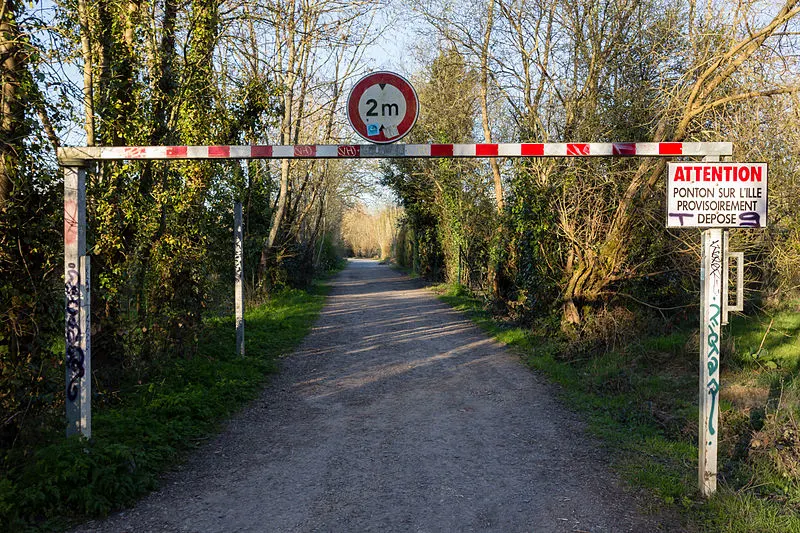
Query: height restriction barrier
{"x": 701, "y": 195}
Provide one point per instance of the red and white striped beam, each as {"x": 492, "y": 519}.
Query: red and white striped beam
{"x": 77, "y": 155}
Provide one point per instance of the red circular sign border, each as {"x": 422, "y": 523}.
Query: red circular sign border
{"x": 389, "y": 78}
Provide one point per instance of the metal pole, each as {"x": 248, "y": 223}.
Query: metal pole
{"x": 77, "y": 305}
{"x": 710, "y": 341}
{"x": 238, "y": 291}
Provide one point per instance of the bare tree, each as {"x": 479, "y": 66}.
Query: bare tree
{"x": 313, "y": 51}
{"x": 608, "y": 71}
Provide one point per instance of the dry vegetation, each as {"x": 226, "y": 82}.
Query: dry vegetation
{"x": 371, "y": 233}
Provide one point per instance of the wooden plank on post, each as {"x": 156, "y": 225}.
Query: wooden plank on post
{"x": 77, "y": 298}
{"x": 239, "y": 290}
{"x": 710, "y": 341}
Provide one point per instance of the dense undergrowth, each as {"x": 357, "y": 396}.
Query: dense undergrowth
{"x": 153, "y": 424}
{"x": 639, "y": 395}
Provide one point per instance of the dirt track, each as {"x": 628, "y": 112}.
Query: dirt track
{"x": 396, "y": 414}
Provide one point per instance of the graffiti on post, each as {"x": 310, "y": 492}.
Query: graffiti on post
{"x": 712, "y": 349}
{"x": 75, "y": 355}
{"x": 712, "y": 358}
{"x": 716, "y": 266}
{"x": 238, "y": 273}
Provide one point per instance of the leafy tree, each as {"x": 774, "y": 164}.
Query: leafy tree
{"x": 449, "y": 212}
{"x": 30, "y": 242}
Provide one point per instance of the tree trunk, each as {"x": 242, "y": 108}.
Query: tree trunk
{"x": 283, "y": 196}
{"x": 484, "y": 103}
{"x": 290, "y": 78}
{"x": 88, "y": 74}
{"x": 496, "y": 276}
{"x": 581, "y": 287}
{"x": 166, "y": 85}
{"x": 11, "y": 121}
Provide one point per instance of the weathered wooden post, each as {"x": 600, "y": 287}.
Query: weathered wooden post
{"x": 238, "y": 247}
{"x": 710, "y": 341}
{"x": 77, "y": 304}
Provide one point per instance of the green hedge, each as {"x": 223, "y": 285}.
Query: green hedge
{"x": 154, "y": 424}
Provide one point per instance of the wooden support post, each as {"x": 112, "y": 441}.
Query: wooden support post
{"x": 239, "y": 272}
{"x": 710, "y": 341}
{"x": 77, "y": 305}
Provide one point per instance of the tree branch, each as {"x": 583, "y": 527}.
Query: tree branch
{"x": 744, "y": 96}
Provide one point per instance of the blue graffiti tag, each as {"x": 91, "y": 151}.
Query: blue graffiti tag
{"x": 750, "y": 219}
{"x": 713, "y": 338}
{"x": 75, "y": 355}
{"x": 681, "y": 216}
{"x": 714, "y": 318}
{"x": 713, "y": 365}
{"x": 712, "y": 361}
{"x": 713, "y": 389}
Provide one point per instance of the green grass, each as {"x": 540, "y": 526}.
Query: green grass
{"x": 156, "y": 423}
{"x": 771, "y": 341}
{"x": 405, "y": 270}
{"x": 641, "y": 400}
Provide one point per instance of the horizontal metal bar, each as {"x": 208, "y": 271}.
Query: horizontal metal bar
{"x": 78, "y": 155}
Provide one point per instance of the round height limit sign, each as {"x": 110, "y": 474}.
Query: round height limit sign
{"x": 382, "y": 107}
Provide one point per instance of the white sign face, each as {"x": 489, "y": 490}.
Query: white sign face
{"x": 382, "y": 107}
{"x": 717, "y": 195}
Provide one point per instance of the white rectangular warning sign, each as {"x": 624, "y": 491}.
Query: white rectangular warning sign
{"x": 717, "y": 195}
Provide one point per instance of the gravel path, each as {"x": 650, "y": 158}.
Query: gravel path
{"x": 395, "y": 414}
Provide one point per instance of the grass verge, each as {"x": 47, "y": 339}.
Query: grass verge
{"x": 155, "y": 424}
{"x": 640, "y": 398}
